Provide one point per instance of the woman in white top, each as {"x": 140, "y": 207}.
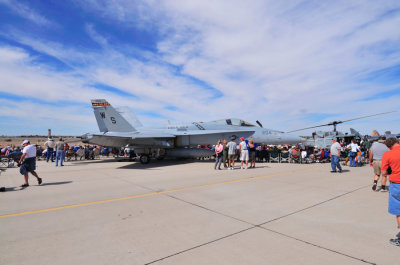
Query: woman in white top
{"x": 354, "y": 148}
{"x": 244, "y": 153}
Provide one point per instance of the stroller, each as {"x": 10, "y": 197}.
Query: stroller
{"x": 13, "y": 158}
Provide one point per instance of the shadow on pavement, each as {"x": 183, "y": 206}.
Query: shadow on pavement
{"x": 6, "y": 189}
{"x": 55, "y": 183}
{"x": 163, "y": 163}
{"x": 154, "y": 163}
{"x": 95, "y": 161}
{"x": 19, "y": 188}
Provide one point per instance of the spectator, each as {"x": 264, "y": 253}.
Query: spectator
{"x": 335, "y": 156}
{"x": 28, "y": 162}
{"x": 50, "y": 148}
{"x": 231, "y": 153}
{"x": 375, "y": 159}
{"x": 225, "y": 153}
{"x": 244, "y": 154}
{"x": 218, "y": 155}
{"x": 354, "y": 148}
{"x": 391, "y": 159}
{"x": 60, "y": 152}
{"x": 252, "y": 150}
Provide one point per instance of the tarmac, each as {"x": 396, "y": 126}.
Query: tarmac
{"x": 181, "y": 212}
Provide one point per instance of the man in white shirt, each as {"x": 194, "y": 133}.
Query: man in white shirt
{"x": 28, "y": 162}
{"x": 335, "y": 156}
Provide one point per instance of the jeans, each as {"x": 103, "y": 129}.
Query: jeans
{"x": 218, "y": 161}
{"x": 335, "y": 163}
{"x": 49, "y": 154}
{"x": 60, "y": 155}
{"x": 352, "y": 160}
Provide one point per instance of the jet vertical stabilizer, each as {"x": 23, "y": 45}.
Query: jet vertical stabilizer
{"x": 109, "y": 119}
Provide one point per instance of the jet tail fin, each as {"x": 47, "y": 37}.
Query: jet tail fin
{"x": 356, "y": 133}
{"x": 109, "y": 119}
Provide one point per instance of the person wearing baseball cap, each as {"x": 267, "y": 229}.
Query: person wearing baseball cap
{"x": 28, "y": 162}
{"x": 335, "y": 155}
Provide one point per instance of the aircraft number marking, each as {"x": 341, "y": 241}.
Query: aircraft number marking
{"x": 113, "y": 121}
{"x": 103, "y": 115}
{"x": 198, "y": 126}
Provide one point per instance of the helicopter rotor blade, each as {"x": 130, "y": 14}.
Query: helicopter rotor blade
{"x": 310, "y": 127}
{"x": 259, "y": 123}
{"x": 363, "y": 117}
{"x": 339, "y": 122}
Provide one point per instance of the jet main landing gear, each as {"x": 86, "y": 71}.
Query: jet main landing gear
{"x": 144, "y": 159}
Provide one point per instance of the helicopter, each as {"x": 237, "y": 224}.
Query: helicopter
{"x": 323, "y": 139}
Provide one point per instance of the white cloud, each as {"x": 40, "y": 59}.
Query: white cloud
{"x": 26, "y": 12}
{"x": 95, "y": 36}
{"x": 271, "y": 60}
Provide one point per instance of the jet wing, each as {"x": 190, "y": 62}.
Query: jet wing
{"x": 118, "y": 139}
{"x": 150, "y": 139}
{"x": 161, "y": 135}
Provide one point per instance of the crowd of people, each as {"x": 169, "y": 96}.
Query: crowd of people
{"x": 354, "y": 153}
{"x": 59, "y": 151}
{"x": 383, "y": 156}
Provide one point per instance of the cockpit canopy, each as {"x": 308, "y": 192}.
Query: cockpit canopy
{"x": 235, "y": 122}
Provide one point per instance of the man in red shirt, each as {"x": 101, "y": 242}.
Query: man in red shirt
{"x": 392, "y": 159}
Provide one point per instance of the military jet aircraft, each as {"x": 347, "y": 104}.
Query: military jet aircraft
{"x": 387, "y": 135}
{"x": 174, "y": 140}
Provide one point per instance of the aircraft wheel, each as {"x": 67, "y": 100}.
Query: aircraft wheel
{"x": 144, "y": 159}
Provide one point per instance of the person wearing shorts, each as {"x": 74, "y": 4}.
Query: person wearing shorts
{"x": 375, "y": 159}
{"x": 244, "y": 153}
{"x": 391, "y": 159}
{"x": 231, "y": 153}
{"x": 28, "y": 162}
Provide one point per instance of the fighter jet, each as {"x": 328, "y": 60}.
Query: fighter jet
{"x": 174, "y": 140}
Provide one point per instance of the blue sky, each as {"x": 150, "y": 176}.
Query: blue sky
{"x": 289, "y": 64}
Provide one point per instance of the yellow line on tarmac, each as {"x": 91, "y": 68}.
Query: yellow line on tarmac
{"x": 154, "y": 193}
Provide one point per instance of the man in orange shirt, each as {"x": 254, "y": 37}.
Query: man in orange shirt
{"x": 392, "y": 159}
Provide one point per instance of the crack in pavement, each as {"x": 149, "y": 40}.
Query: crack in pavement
{"x": 254, "y": 226}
